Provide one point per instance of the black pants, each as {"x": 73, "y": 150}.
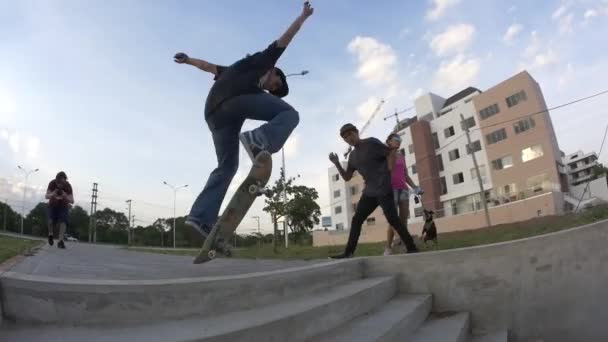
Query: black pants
{"x": 366, "y": 207}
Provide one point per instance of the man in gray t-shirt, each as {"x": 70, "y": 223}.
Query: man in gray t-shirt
{"x": 374, "y": 161}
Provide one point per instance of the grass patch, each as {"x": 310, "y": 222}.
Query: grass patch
{"x": 468, "y": 238}
{"x": 10, "y": 246}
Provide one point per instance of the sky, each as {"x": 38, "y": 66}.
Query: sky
{"x": 90, "y": 87}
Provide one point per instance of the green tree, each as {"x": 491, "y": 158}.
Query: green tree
{"x": 300, "y": 208}
{"x": 79, "y": 223}
{"x": 9, "y": 219}
{"x": 36, "y": 221}
{"x": 111, "y": 226}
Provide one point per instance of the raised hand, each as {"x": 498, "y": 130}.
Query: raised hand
{"x": 180, "y": 57}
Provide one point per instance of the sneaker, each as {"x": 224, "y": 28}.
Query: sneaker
{"x": 387, "y": 251}
{"x": 50, "y": 240}
{"x": 341, "y": 256}
{"x": 204, "y": 229}
{"x": 252, "y": 147}
{"x": 60, "y": 245}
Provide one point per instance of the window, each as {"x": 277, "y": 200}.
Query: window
{"x": 454, "y": 154}
{"x": 489, "y": 111}
{"x": 439, "y": 162}
{"x": 448, "y": 132}
{"x": 502, "y": 163}
{"x": 371, "y": 221}
{"x": 338, "y": 210}
{"x": 353, "y": 190}
{"x": 474, "y": 147}
{"x": 336, "y": 177}
{"x": 418, "y": 211}
{"x": 516, "y": 98}
{"x": 340, "y": 226}
{"x": 537, "y": 183}
{"x": 336, "y": 193}
{"x": 444, "y": 186}
{"x": 531, "y": 153}
{"x": 414, "y": 169}
{"x": 496, "y": 136}
{"x": 427, "y": 117}
{"x": 435, "y": 140}
{"x": 524, "y": 125}
{"x": 470, "y": 122}
{"x": 410, "y": 148}
{"x": 482, "y": 173}
{"x": 458, "y": 178}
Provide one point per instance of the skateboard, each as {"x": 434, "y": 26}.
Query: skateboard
{"x": 252, "y": 187}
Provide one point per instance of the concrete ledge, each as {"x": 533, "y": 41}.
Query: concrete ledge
{"x": 550, "y": 287}
{"x": 37, "y": 299}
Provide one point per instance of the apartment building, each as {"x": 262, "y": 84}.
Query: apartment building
{"x": 512, "y": 137}
{"x": 580, "y": 166}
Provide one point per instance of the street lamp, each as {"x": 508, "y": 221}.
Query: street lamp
{"x": 27, "y": 175}
{"x": 301, "y": 73}
{"x": 175, "y": 189}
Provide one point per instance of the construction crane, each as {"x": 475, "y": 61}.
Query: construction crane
{"x": 371, "y": 117}
{"x": 396, "y": 115}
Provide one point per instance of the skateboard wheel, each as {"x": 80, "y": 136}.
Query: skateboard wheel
{"x": 211, "y": 254}
{"x": 253, "y": 189}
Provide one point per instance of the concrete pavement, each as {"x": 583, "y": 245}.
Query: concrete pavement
{"x": 87, "y": 261}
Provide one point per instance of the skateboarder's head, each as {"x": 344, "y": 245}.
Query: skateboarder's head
{"x": 61, "y": 178}
{"x": 393, "y": 140}
{"x": 350, "y": 134}
{"x": 276, "y": 83}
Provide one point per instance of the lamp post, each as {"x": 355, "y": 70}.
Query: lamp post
{"x": 27, "y": 175}
{"x": 175, "y": 189}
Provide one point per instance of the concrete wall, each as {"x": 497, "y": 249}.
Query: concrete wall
{"x": 597, "y": 188}
{"x": 549, "y": 288}
{"x": 548, "y": 204}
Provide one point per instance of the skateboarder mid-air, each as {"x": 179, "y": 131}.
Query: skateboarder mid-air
{"x": 239, "y": 93}
{"x": 374, "y": 161}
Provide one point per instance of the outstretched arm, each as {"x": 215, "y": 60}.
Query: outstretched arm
{"x": 286, "y": 38}
{"x": 182, "y": 58}
{"x": 346, "y": 175}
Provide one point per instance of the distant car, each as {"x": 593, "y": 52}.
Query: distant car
{"x": 68, "y": 237}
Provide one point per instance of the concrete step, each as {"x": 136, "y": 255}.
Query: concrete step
{"x": 291, "y": 320}
{"x": 451, "y": 328}
{"x": 391, "y": 322}
{"x": 39, "y": 299}
{"x": 500, "y": 336}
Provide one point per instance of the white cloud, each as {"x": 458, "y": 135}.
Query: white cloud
{"x": 8, "y": 106}
{"x": 512, "y": 32}
{"x": 366, "y": 108}
{"x": 14, "y": 142}
{"x": 512, "y": 9}
{"x": 32, "y": 146}
{"x": 439, "y": 8}
{"x": 377, "y": 61}
{"x": 4, "y": 134}
{"x": 590, "y": 13}
{"x": 456, "y": 38}
{"x": 536, "y": 55}
{"x": 564, "y": 18}
{"x": 565, "y": 77}
{"x": 291, "y": 146}
{"x": 455, "y": 74}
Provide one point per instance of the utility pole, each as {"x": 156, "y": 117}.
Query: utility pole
{"x": 259, "y": 238}
{"x": 4, "y": 216}
{"x": 27, "y": 175}
{"x": 129, "y": 219}
{"x": 482, "y": 195}
{"x": 92, "y": 228}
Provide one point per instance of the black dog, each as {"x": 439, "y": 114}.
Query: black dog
{"x": 429, "y": 230}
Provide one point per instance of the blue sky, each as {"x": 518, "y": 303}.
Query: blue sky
{"x": 90, "y": 87}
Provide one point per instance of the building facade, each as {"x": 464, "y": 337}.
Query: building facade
{"x": 514, "y": 143}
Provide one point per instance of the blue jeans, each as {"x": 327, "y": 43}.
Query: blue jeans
{"x": 225, "y": 125}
